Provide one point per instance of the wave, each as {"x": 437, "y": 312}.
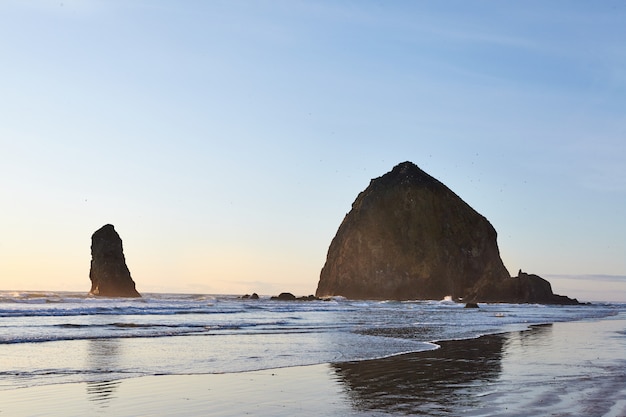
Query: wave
{"x": 51, "y": 316}
{"x": 89, "y": 339}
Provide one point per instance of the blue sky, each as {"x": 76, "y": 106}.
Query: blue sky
{"x": 227, "y": 140}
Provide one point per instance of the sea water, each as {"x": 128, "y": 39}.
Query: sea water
{"x": 59, "y": 337}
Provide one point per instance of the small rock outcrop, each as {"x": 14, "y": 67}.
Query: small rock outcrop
{"x": 109, "y": 274}
{"x": 254, "y": 296}
{"x": 284, "y": 296}
{"x": 287, "y": 296}
{"x": 408, "y": 236}
{"x": 525, "y": 288}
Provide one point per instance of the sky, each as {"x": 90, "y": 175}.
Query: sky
{"x": 227, "y": 140}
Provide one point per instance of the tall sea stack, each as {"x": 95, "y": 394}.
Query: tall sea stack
{"x": 408, "y": 237}
{"x": 109, "y": 274}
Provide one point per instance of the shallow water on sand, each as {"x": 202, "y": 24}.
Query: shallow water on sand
{"x": 564, "y": 369}
{"x": 49, "y": 338}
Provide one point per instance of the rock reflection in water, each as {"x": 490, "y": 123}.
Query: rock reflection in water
{"x": 102, "y": 359}
{"x": 102, "y": 392}
{"x": 437, "y": 382}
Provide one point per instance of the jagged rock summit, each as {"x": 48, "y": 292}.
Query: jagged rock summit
{"x": 408, "y": 236}
{"x": 109, "y": 274}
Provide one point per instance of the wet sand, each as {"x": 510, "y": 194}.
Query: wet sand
{"x": 564, "y": 369}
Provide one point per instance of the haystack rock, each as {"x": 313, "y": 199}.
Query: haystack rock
{"x": 109, "y": 274}
{"x": 409, "y": 237}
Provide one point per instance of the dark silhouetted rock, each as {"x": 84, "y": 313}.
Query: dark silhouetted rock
{"x": 471, "y": 305}
{"x": 284, "y": 296}
{"x": 109, "y": 274}
{"x": 308, "y": 298}
{"x": 525, "y": 288}
{"x": 408, "y": 236}
{"x": 254, "y": 296}
{"x": 287, "y": 296}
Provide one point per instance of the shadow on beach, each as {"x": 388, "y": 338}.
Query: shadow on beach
{"x": 432, "y": 382}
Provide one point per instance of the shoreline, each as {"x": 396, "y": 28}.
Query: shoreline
{"x": 571, "y": 368}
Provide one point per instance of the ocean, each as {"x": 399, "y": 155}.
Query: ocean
{"x": 64, "y": 337}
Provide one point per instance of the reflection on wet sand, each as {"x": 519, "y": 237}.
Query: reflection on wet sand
{"x": 102, "y": 357}
{"x": 102, "y": 392}
{"x": 438, "y": 382}
{"x": 537, "y": 336}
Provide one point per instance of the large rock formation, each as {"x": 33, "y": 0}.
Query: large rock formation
{"x": 109, "y": 274}
{"x": 408, "y": 236}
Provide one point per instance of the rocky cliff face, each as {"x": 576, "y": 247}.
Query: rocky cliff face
{"x": 109, "y": 274}
{"x": 408, "y": 236}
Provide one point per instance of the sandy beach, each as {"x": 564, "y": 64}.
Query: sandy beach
{"x": 564, "y": 369}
